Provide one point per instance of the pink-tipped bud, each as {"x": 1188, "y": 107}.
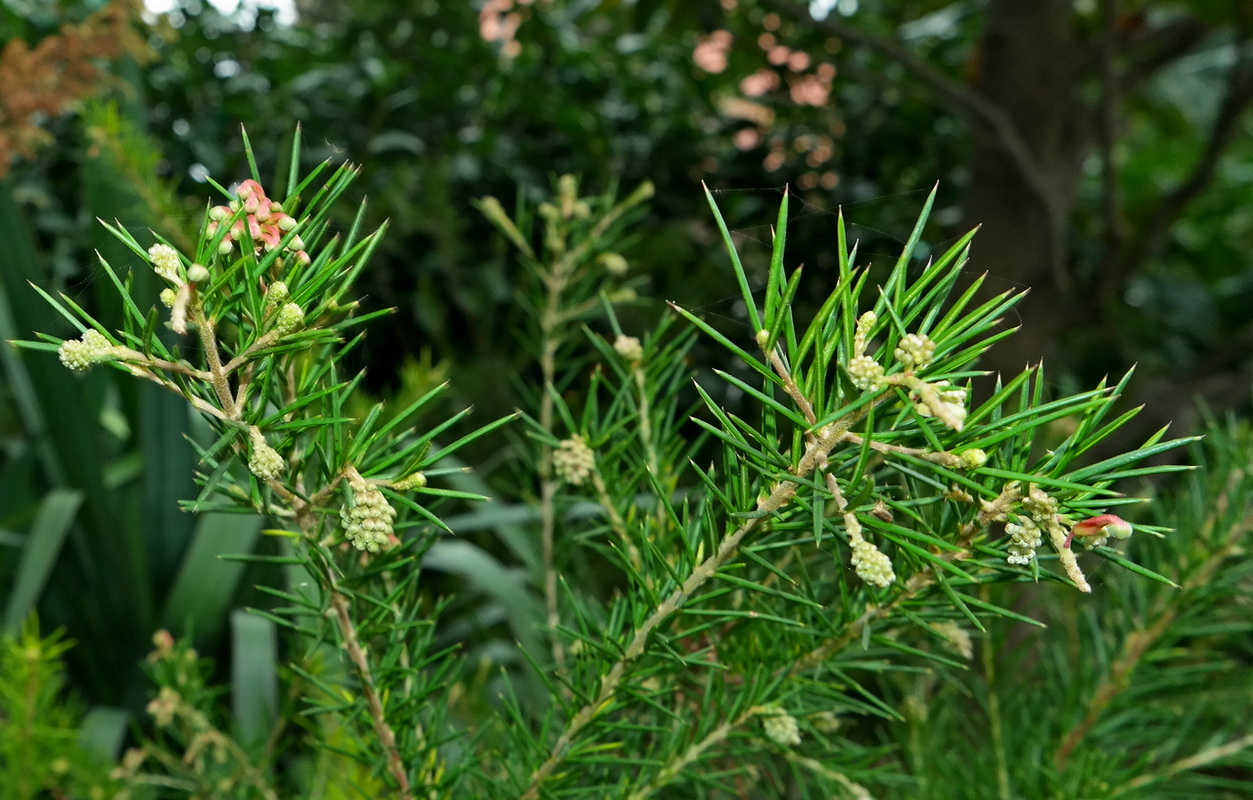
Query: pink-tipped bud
{"x": 1102, "y": 525}
{"x": 248, "y": 188}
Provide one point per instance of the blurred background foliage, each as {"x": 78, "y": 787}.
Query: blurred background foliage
{"x": 1105, "y": 145}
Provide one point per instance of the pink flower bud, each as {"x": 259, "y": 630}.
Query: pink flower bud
{"x": 1103, "y": 525}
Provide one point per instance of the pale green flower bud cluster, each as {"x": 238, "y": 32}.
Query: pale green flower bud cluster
{"x": 368, "y": 518}
{"x": 166, "y": 263}
{"x": 573, "y": 460}
{"x": 826, "y": 722}
{"x": 290, "y": 318}
{"x": 782, "y": 729}
{"x": 179, "y": 295}
{"x": 414, "y": 480}
{"x": 915, "y": 351}
{"x": 1024, "y": 538}
{"x": 951, "y": 402}
{"x": 629, "y": 348}
{"x": 613, "y": 263}
{"x": 866, "y": 373}
{"x": 568, "y": 192}
{"x": 1040, "y": 516}
{"x": 958, "y": 638}
{"x": 862, "y": 335}
{"x": 1039, "y": 504}
{"x": 81, "y": 354}
{"x": 971, "y": 459}
{"x": 263, "y": 460}
{"x": 276, "y": 295}
{"x": 872, "y": 564}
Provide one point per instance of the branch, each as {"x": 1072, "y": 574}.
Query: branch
{"x": 1154, "y": 48}
{"x": 781, "y": 494}
{"x": 1152, "y": 234}
{"x": 387, "y": 737}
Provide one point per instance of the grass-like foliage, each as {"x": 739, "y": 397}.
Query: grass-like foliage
{"x": 695, "y": 582}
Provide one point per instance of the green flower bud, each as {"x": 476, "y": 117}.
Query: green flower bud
{"x": 865, "y": 372}
{"x": 264, "y": 461}
{"x": 414, "y": 480}
{"x": 367, "y": 517}
{"x": 613, "y": 263}
{"x": 782, "y": 729}
{"x": 81, "y": 354}
{"x": 872, "y": 565}
{"x": 864, "y": 323}
{"x": 629, "y": 348}
{"x": 277, "y": 294}
{"x": 915, "y": 350}
{"x": 165, "y": 261}
{"x": 290, "y": 318}
{"x": 573, "y": 460}
{"x": 197, "y": 273}
{"x": 972, "y": 459}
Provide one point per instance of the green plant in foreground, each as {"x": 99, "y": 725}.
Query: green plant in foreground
{"x": 722, "y": 594}
{"x": 39, "y": 729}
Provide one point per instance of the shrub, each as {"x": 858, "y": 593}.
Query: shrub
{"x": 718, "y": 583}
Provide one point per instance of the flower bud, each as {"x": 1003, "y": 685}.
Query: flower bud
{"x": 80, "y": 354}
{"x": 864, "y": 323}
{"x": 629, "y": 348}
{"x": 613, "y": 263}
{"x": 1024, "y": 538}
{"x": 915, "y": 351}
{"x": 872, "y": 565}
{"x": 197, "y": 273}
{"x": 277, "y": 294}
{"x": 414, "y": 480}
{"x": 165, "y": 261}
{"x": 164, "y": 706}
{"x": 573, "y": 460}
{"x": 290, "y": 318}
{"x": 972, "y": 459}
{"x": 368, "y": 517}
{"x": 264, "y": 461}
{"x": 1097, "y": 530}
{"x": 782, "y": 729}
{"x": 568, "y": 194}
{"x": 865, "y": 372}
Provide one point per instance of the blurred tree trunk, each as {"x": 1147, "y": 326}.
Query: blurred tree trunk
{"x": 1041, "y": 98}
{"x": 1061, "y": 96}
{"x": 1030, "y": 65}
